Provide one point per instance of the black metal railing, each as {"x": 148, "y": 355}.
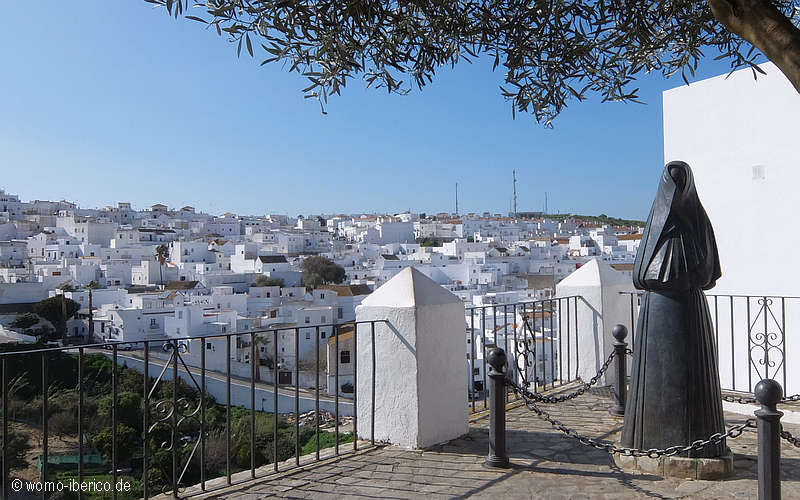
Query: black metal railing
{"x": 170, "y": 416}
{"x": 751, "y": 337}
{"x": 542, "y": 336}
{"x": 768, "y": 393}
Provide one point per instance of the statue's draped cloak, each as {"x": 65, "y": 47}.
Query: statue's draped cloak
{"x": 674, "y": 396}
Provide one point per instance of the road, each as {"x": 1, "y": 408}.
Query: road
{"x": 240, "y": 387}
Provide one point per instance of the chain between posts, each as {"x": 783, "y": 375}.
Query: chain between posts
{"x": 788, "y": 436}
{"x": 611, "y": 448}
{"x": 531, "y": 399}
{"x": 743, "y": 400}
{"x": 584, "y": 387}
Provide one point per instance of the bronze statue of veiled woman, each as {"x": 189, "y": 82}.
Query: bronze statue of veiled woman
{"x": 674, "y": 396}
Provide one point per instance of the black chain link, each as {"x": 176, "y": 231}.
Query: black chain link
{"x": 788, "y": 436}
{"x": 585, "y": 386}
{"x": 738, "y": 399}
{"x": 748, "y": 400}
{"x": 716, "y": 438}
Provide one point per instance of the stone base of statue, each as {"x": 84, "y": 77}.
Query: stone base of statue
{"x": 709, "y": 469}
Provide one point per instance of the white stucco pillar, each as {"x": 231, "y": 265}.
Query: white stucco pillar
{"x": 419, "y": 363}
{"x": 592, "y": 316}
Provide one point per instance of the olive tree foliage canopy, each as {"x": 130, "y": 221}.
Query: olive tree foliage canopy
{"x": 551, "y": 51}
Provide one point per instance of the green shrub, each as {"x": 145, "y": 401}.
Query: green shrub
{"x": 326, "y": 440}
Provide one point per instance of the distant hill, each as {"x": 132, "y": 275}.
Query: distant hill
{"x": 600, "y": 219}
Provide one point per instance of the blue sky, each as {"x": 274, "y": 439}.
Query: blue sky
{"x": 115, "y": 101}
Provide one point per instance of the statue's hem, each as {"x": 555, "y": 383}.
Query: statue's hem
{"x": 709, "y": 469}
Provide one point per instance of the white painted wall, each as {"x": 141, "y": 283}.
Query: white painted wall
{"x": 14, "y": 293}
{"x": 419, "y": 379}
{"x": 731, "y": 131}
{"x": 739, "y": 135}
{"x": 600, "y": 307}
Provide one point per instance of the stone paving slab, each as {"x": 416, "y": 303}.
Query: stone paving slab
{"x": 545, "y": 465}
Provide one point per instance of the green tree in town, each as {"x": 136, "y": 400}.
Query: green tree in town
{"x": 321, "y": 271}
{"x": 267, "y": 281}
{"x": 550, "y": 51}
{"x": 162, "y": 256}
{"x": 57, "y": 310}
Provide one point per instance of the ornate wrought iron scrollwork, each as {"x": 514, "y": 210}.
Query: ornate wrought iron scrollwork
{"x": 177, "y": 416}
{"x": 525, "y": 358}
{"x": 766, "y": 335}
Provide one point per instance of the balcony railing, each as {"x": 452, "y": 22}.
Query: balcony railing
{"x": 539, "y": 336}
{"x": 182, "y": 415}
{"x": 751, "y": 336}
{"x": 175, "y": 420}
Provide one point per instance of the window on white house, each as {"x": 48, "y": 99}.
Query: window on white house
{"x": 344, "y": 357}
{"x": 308, "y": 320}
{"x": 340, "y": 312}
{"x": 208, "y": 346}
{"x": 308, "y": 335}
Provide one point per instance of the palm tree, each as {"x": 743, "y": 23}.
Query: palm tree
{"x": 93, "y": 285}
{"x": 162, "y": 254}
{"x": 259, "y": 341}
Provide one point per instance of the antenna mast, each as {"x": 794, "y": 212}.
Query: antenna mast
{"x": 514, "y": 173}
{"x": 456, "y": 198}
{"x": 545, "y": 202}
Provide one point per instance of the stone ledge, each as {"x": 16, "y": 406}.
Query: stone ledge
{"x": 709, "y": 469}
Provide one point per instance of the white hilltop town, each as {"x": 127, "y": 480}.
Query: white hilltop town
{"x": 232, "y": 274}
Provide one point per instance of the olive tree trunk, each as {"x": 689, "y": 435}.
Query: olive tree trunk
{"x": 762, "y": 24}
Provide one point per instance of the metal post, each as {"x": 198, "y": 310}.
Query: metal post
{"x": 620, "y": 385}
{"x": 115, "y": 422}
{"x": 498, "y": 362}
{"x": 769, "y": 393}
{"x": 45, "y": 413}
{"x": 5, "y": 427}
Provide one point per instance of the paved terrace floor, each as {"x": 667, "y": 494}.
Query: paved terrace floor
{"x": 545, "y": 464}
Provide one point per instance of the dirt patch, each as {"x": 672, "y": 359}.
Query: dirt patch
{"x": 56, "y": 445}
